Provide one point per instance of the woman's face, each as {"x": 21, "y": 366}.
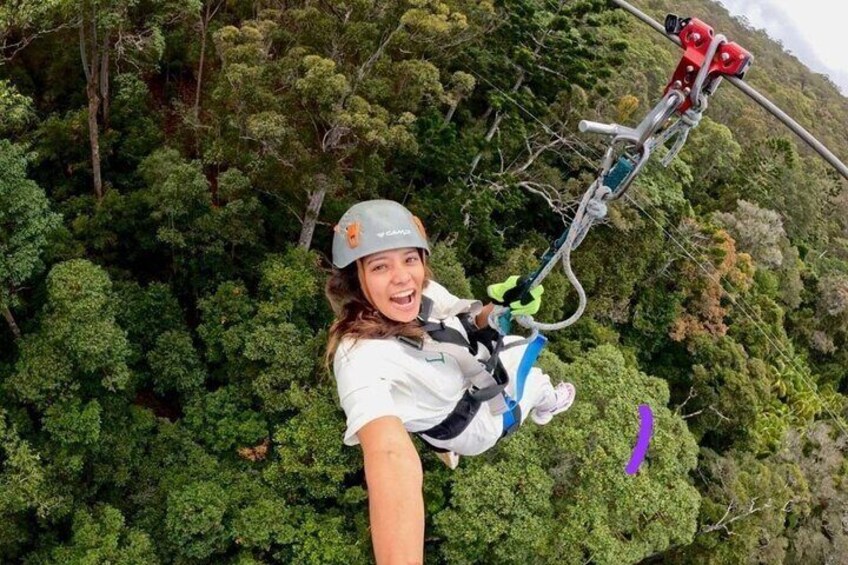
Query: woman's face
{"x": 395, "y": 280}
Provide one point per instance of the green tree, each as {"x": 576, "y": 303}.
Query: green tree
{"x": 223, "y": 421}
{"x": 146, "y": 313}
{"x": 205, "y": 237}
{"x": 358, "y": 78}
{"x": 175, "y": 364}
{"x": 25, "y": 225}
{"x": 195, "y": 519}
{"x": 78, "y": 348}
{"x": 448, "y": 270}
{"x": 22, "y": 21}
{"x": 268, "y": 344}
{"x": 26, "y": 489}
{"x": 109, "y": 31}
{"x": 100, "y": 536}
{"x": 565, "y": 496}
{"x": 745, "y": 507}
{"x": 16, "y": 110}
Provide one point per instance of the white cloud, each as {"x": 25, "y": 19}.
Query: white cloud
{"x": 809, "y": 29}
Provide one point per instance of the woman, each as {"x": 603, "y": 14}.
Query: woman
{"x": 384, "y": 298}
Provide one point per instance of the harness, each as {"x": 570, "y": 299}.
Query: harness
{"x": 488, "y": 378}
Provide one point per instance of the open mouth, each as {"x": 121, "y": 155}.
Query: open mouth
{"x": 405, "y": 298}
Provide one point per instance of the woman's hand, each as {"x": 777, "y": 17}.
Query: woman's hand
{"x": 395, "y": 499}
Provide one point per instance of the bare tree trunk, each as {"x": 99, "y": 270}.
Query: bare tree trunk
{"x": 498, "y": 117}
{"x": 16, "y": 331}
{"x": 94, "y": 138}
{"x": 104, "y": 82}
{"x": 205, "y": 20}
{"x": 449, "y": 115}
{"x": 204, "y": 28}
{"x": 366, "y": 66}
{"x": 489, "y": 135}
{"x": 196, "y": 110}
{"x": 522, "y": 74}
{"x": 92, "y": 75}
{"x": 316, "y": 199}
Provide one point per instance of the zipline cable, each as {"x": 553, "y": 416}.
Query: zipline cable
{"x": 747, "y": 89}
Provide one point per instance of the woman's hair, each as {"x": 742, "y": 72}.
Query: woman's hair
{"x": 356, "y": 317}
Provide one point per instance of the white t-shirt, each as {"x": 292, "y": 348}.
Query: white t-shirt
{"x": 384, "y": 377}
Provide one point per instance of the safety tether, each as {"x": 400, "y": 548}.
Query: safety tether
{"x": 706, "y": 60}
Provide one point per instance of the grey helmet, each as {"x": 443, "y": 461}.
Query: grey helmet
{"x": 376, "y": 225}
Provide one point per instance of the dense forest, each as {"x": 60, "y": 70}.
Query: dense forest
{"x": 170, "y": 172}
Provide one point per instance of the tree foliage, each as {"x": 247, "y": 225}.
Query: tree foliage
{"x": 26, "y": 221}
{"x": 163, "y": 396}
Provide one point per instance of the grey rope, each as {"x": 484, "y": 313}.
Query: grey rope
{"x": 644, "y": 138}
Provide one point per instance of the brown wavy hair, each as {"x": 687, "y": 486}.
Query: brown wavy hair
{"x": 356, "y": 317}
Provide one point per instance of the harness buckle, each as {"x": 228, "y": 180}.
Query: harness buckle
{"x": 486, "y": 393}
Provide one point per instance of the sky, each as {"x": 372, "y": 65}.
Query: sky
{"x": 811, "y": 29}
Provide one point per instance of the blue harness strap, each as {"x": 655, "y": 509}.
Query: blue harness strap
{"x": 512, "y": 417}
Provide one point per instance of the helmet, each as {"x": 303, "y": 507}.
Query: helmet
{"x": 375, "y": 225}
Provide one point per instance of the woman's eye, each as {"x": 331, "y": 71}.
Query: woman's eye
{"x": 412, "y": 259}
{"x": 376, "y": 268}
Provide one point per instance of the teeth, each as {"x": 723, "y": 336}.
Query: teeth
{"x": 403, "y": 294}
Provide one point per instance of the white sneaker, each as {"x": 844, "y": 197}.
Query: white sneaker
{"x": 449, "y": 458}
{"x": 565, "y": 393}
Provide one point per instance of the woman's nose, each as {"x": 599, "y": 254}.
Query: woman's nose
{"x": 401, "y": 274}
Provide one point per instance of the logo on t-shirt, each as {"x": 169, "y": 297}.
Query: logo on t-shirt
{"x": 440, "y": 359}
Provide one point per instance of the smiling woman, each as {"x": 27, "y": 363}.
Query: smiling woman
{"x": 393, "y": 282}
{"x": 377, "y": 244}
{"x": 394, "y": 377}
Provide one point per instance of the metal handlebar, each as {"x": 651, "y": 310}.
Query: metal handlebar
{"x": 587, "y": 126}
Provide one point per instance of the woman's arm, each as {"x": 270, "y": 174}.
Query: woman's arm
{"x": 395, "y": 499}
{"x": 482, "y": 319}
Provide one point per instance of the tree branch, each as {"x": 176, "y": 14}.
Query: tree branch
{"x": 8, "y": 50}
{"x": 366, "y": 66}
{"x": 724, "y": 522}
{"x": 84, "y": 53}
{"x": 692, "y": 394}
{"x": 10, "y": 320}
{"x": 719, "y": 414}
{"x": 535, "y": 155}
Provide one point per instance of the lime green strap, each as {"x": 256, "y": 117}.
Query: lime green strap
{"x": 498, "y": 292}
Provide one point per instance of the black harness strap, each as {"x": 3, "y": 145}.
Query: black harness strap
{"x": 464, "y": 411}
{"x": 457, "y": 420}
